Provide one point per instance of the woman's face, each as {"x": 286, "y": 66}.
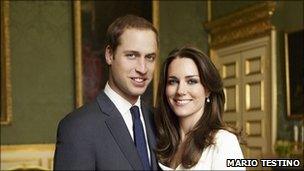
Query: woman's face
{"x": 184, "y": 90}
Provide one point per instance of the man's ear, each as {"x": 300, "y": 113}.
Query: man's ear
{"x": 109, "y": 55}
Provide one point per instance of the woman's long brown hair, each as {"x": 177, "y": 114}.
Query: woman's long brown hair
{"x": 202, "y": 134}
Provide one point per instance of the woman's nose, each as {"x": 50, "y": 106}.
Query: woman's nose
{"x": 181, "y": 89}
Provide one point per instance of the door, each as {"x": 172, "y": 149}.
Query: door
{"x": 245, "y": 69}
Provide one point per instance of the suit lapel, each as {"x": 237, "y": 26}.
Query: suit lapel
{"x": 119, "y": 131}
{"x": 148, "y": 117}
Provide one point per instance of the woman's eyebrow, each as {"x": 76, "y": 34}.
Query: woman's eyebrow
{"x": 190, "y": 76}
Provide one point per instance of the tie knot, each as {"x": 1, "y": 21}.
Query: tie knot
{"x": 135, "y": 112}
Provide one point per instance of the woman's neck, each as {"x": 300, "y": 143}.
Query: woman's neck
{"x": 187, "y": 123}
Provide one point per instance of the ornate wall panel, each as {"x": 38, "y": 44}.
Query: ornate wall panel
{"x": 241, "y": 25}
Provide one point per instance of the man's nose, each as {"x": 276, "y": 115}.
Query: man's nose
{"x": 141, "y": 66}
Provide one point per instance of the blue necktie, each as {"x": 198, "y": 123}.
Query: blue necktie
{"x": 139, "y": 138}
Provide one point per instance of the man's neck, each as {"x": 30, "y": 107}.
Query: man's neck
{"x": 131, "y": 99}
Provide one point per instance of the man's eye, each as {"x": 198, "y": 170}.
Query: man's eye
{"x": 192, "y": 81}
{"x": 150, "y": 58}
{"x": 130, "y": 55}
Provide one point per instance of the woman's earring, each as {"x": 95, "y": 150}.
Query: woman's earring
{"x": 208, "y": 100}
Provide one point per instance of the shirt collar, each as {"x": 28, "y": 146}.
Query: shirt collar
{"x": 121, "y": 104}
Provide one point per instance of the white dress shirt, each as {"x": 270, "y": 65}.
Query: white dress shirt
{"x": 123, "y": 107}
{"x": 214, "y": 156}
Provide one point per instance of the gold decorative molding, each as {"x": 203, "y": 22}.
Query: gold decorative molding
{"x": 6, "y": 94}
{"x": 155, "y": 20}
{"x": 28, "y": 147}
{"x": 274, "y": 89}
{"x": 78, "y": 51}
{"x": 241, "y": 25}
{"x": 27, "y": 156}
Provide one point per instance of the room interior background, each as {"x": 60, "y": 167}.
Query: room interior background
{"x": 42, "y": 56}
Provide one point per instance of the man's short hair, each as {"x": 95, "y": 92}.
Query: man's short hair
{"x": 116, "y": 29}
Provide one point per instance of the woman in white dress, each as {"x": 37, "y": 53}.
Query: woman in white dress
{"x": 191, "y": 132}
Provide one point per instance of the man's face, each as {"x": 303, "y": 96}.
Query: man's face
{"x": 132, "y": 64}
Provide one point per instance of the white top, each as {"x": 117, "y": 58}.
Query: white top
{"x": 214, "y": 157}
{"x": 123, "y": 107}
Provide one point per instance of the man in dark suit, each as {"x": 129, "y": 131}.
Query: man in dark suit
{"x": 115, "y": 132}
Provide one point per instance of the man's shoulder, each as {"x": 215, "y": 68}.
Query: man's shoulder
{"x": 83, "y": 122}
{"x": 86, "y": 114}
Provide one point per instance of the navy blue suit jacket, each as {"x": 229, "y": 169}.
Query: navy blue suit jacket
{"x": 95, "y": 137}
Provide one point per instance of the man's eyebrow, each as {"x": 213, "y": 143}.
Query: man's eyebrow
{"x": 136, "y": 52}
{"x": 131, "y": 51}
{"x": 151, "y": 54}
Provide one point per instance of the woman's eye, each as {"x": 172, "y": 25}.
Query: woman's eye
{"x": 192, "y": 81}
{"x": 172, "y": 82}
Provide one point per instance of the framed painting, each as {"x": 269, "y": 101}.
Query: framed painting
{"x": 6, "y": 98}
{"x": 91, "y": 19}
{"x": 294, "y": 58}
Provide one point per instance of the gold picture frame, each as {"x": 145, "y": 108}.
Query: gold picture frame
{"x": 78, "y": 56}
{"x": 6, "y": 97}
{"x": 294, "y": 73}
{"x": 79, "y": 100}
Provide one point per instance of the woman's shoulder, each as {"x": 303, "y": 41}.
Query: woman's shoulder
{"x": 224, "y": 136}
{"x": 227, "y": 144}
